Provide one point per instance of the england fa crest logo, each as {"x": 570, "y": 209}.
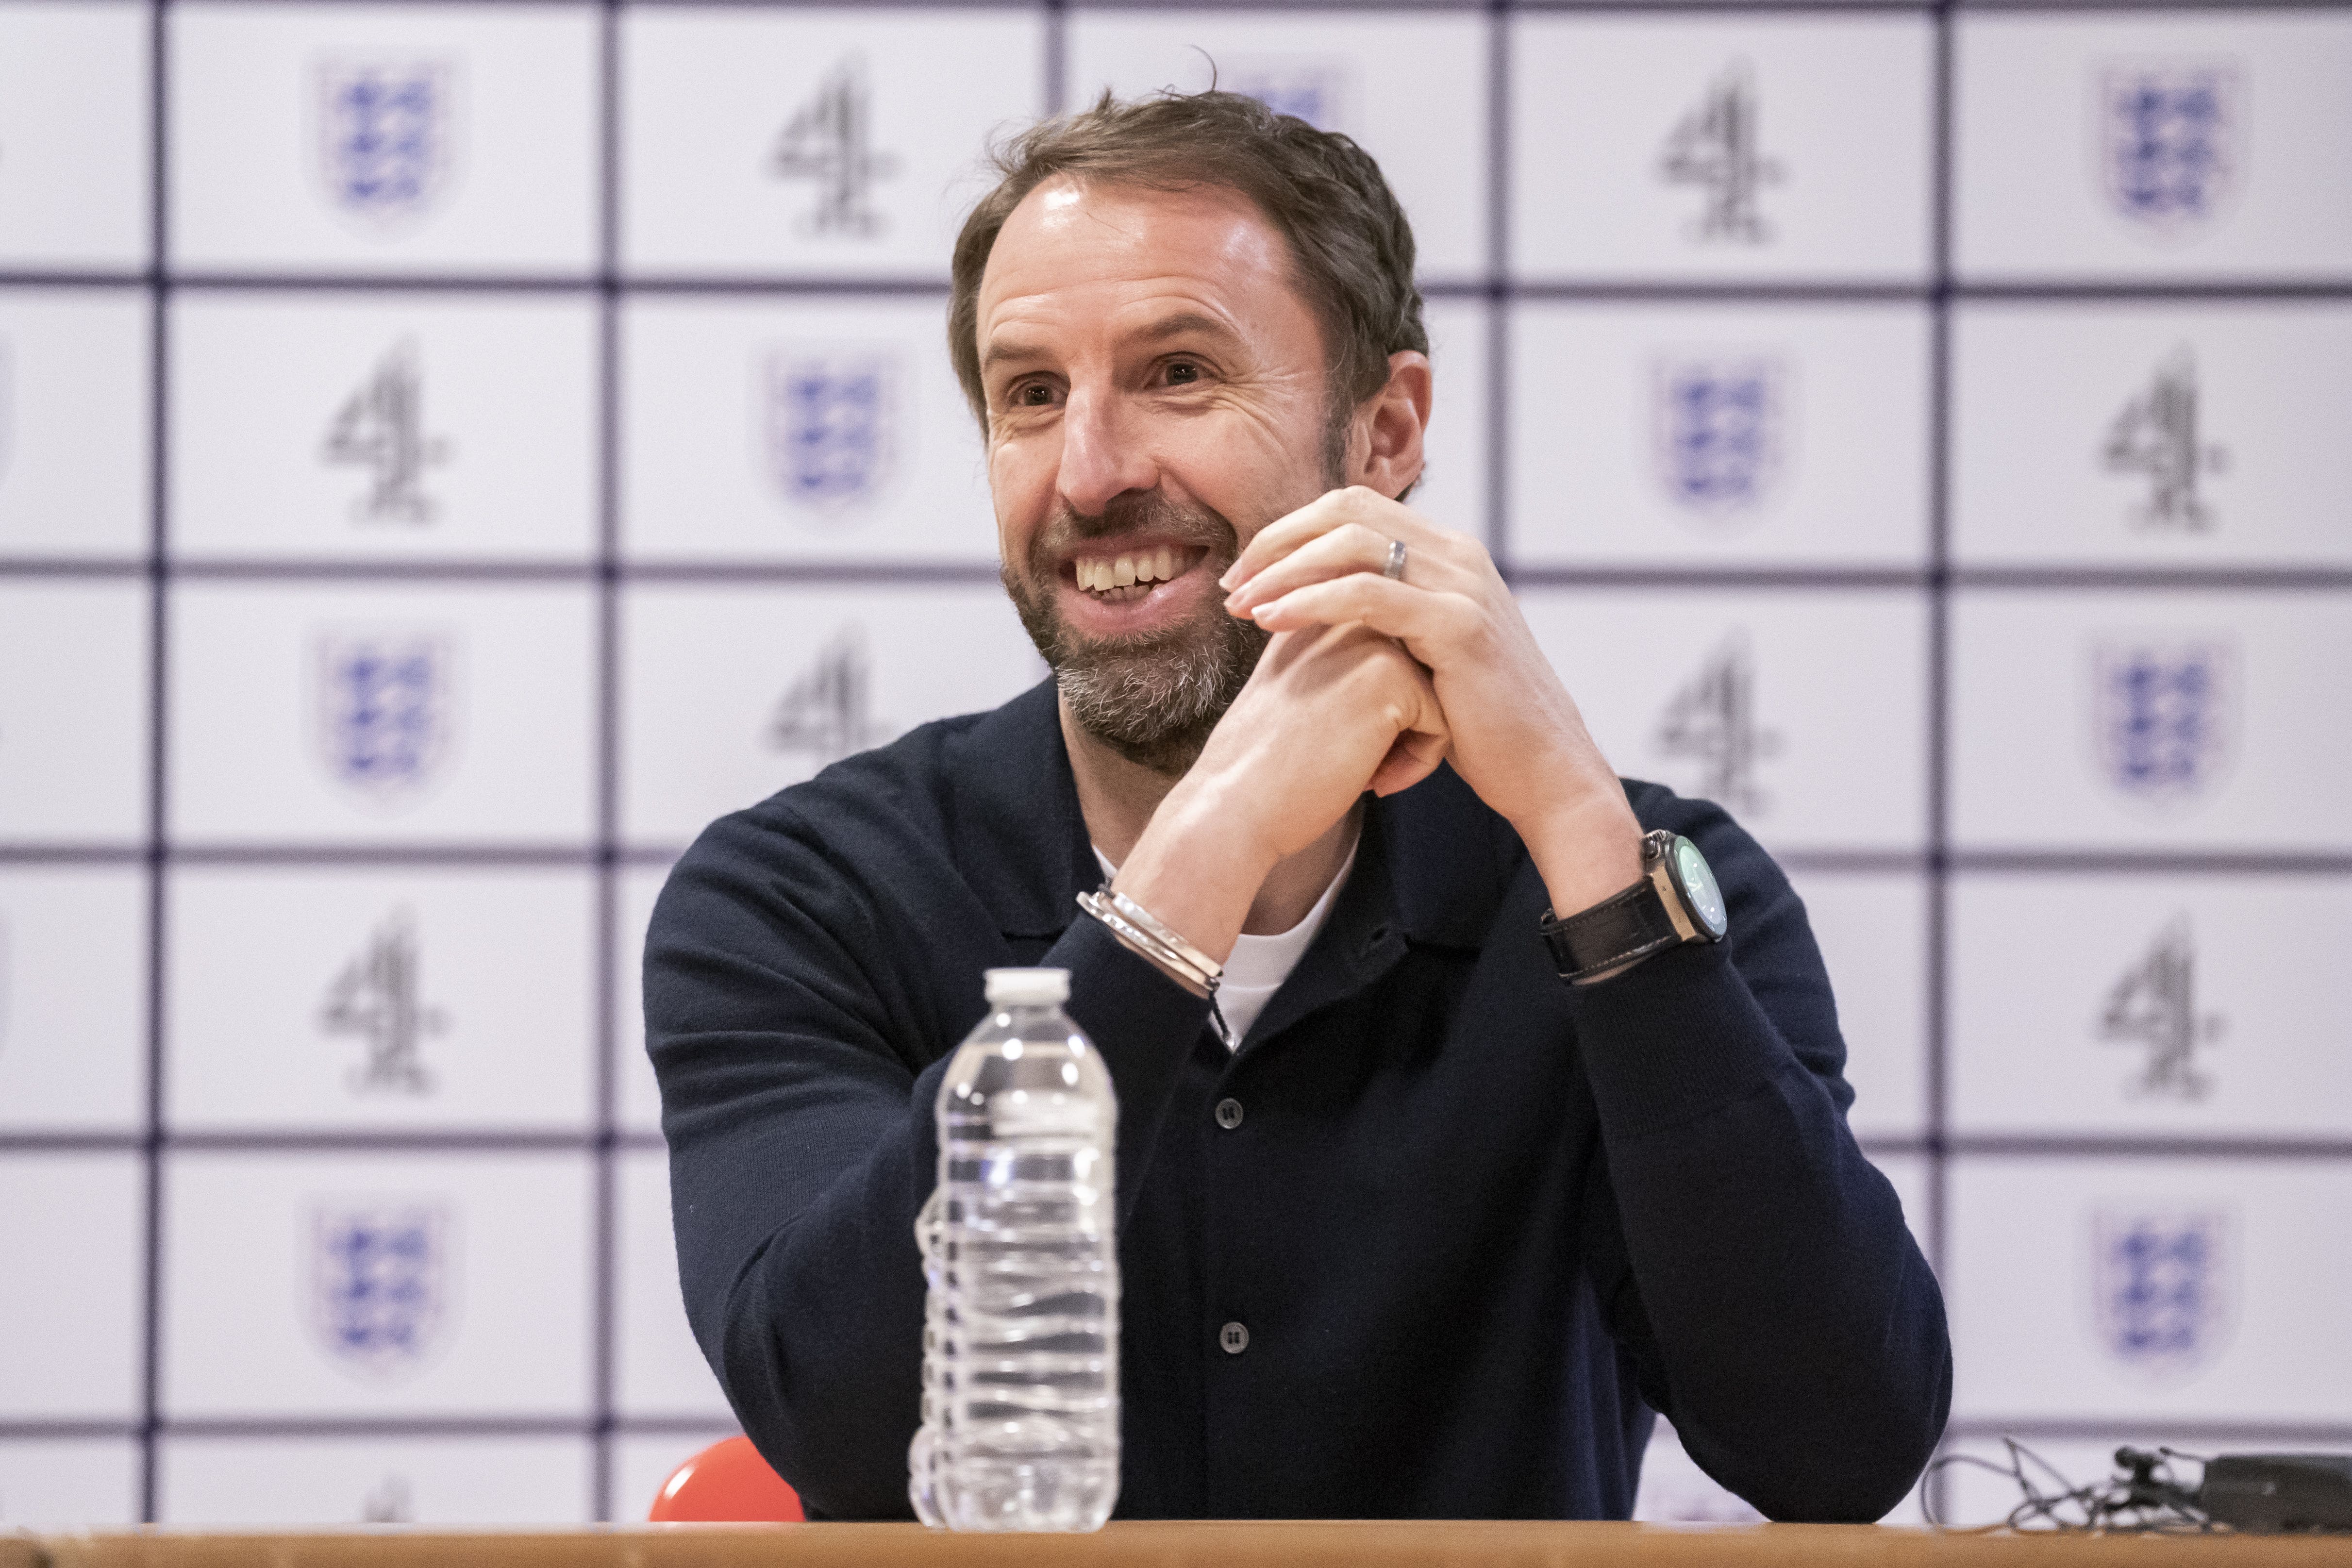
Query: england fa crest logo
{"x": 2165, "y": 714}
{"x": 1717, "y": 426}
{"x": 1717, "y": 147}
{"x": 1713, "y": 722}
{"x": 829, "y": 141}
{"x": 2164, "y": 1282}
{"x": 1309, "y": 90}
{"x": 380, "y": 1277}
{"x": 2168, "y": 139}
{"x": 828, "y": 714}
{"x": 383, "y": 709}
{"x": 387, "y": 133}
{"x": 2153, "y": 1007}
{"x": 379, "y": 999}
{"x": 2160, "y": 439}
{"x": 380, "y": 428}
{"x": 831, "y": 415}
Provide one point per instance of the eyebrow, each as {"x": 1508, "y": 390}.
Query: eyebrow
{"x": 1000, "y": 352}
{"x": 1175, "y": 326}
{"x": 1183, "y": 321}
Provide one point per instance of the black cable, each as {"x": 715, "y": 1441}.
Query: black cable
{"x": 2143, "y": 1497}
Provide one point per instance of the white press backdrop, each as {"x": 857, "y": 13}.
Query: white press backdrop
{"x": 450, "y": 451}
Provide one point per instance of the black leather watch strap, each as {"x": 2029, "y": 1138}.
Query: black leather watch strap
{"x": 1617, "y": 930}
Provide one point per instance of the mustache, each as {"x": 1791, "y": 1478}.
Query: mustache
{"x": 1133, "y": 512}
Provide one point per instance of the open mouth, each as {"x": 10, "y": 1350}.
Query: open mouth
{"x": 1118, "y": 577}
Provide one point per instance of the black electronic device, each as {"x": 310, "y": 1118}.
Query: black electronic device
{"x": 2270, "y": 1494}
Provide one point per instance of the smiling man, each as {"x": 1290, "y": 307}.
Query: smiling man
{"x": 1466, "y": 1116}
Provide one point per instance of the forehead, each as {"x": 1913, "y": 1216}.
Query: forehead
{"x": 1090, "y": 249}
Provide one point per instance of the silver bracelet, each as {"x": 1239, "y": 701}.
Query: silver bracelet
{"x": 1193, "y": 956}
{"x": 1149, "y": 940}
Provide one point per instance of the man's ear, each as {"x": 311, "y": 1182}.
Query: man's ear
{"x": 1385, "y": 434}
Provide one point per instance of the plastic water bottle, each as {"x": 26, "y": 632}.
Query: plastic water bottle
{"x": 1020, "y": 1328}
{"x": 923, "y": 1453}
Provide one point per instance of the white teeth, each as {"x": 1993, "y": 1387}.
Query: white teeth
{"x": 1101, "y": 576}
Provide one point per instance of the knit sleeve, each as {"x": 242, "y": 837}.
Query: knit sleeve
{"x": 1755, "y": 1267}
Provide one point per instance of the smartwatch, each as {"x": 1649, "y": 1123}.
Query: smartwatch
{"x": 1675, "y": 902}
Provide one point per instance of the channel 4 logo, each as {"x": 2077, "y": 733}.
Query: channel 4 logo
{"x": 380, "y": 427}
{"x": 830, "y": 417}
{"x": 378, "y": 998}
{"x": 2154, "y": 1006}
{"x": 2164, "y": 713}
{"x": 2170, "y": 136}
{"x": 2160, "y": 437}
{"x": 384, "y": 711}
{"x": 1718, "y": 426}
{"x": 828, "y": 712}
{"x": 830, "y": 142}
{"x": 387, "y": 134}
{"x": 380, "y": 1277}
{"x": 1713, "y": 722}
{"x": 2165, "y": 1283}
{"x": 1718, "y": 146}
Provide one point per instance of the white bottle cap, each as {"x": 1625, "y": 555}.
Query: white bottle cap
{"x": 1027, "y": 987}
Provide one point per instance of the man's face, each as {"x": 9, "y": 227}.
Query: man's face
{"x": 1156, "y": 396}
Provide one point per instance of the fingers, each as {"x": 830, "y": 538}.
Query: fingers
{"x": 1423, "y": 620}
{"x": 1348, "y": 547}
{"x": 1422, "y": 735}
{"x": 1414, "y": 757}
{"x": 1325, "y": 513}
{"x": 1368, "y": 675}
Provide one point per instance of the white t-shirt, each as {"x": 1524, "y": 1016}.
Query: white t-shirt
{"x": 1259, "y": 964}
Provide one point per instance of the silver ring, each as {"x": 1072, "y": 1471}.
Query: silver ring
{"x": 1395, "y": 570}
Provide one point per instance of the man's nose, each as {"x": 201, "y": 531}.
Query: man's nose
{"x": 1103, "y": 455}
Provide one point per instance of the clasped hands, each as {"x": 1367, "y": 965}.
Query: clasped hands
{"x": 1370, "y": 682}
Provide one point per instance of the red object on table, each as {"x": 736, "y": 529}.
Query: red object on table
{"x": 727, "y": 1483}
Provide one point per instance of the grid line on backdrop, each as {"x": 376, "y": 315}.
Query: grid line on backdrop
{"x": 611, "y": 849}
{"x": 608, "y": 741}
{"x": 1498, "y": 290}
{"x": 1938, "y": 692}
{"x": 158, "y": 687}
{"x": 2321, "y": 580}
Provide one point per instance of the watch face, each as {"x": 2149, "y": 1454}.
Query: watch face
{"x": 1698, "y": 885}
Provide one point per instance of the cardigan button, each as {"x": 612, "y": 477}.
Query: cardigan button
{"x": 1234, "y": 1339}
{"x": 1229, "y": 1114}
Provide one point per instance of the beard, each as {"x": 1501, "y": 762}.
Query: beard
{"x": 1152, "y": 697}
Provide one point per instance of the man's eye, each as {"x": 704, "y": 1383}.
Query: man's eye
{"x": 1183, "y": 373}
{"x": 1033, "y": 396}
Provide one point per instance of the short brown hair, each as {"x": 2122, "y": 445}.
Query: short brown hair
{"x": 1350, "y": 243}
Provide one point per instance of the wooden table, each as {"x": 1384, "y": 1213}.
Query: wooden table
{"x": 1304, "y": 1544}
